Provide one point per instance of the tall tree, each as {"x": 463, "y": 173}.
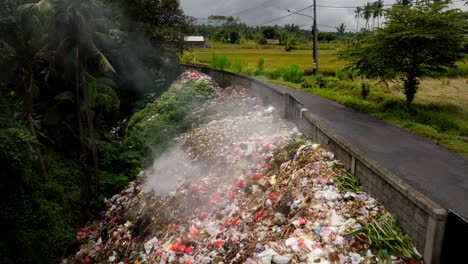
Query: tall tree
{"x": 378, "y": 10}
{"x": 357, "y": 15}
{"x": 341, "y": 29}
{"x": 367, "y": 13}
{"x": 415, "y": 41}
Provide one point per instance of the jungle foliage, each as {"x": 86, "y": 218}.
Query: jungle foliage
{"x": 73, "y": 73}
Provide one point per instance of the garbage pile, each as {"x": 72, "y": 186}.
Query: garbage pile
{"x": 253, "y": 191}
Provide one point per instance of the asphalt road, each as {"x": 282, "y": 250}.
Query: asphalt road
{"x": 436, "y": 172}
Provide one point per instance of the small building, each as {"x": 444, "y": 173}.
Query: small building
{"x": 196, "y": 42}
{"x": 273, "y": 41}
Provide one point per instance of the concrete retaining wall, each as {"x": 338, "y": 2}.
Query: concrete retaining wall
{"x": 422, "y": 219}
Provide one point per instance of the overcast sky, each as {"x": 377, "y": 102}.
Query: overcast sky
{"x": 256, "y": 12}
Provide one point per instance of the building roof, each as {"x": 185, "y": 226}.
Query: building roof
{"x": 273, "y": 41}
{"x": 195, "y": 38}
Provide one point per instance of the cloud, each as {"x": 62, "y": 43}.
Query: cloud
{"x": 327, "y": 18}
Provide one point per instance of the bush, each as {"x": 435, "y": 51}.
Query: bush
{"x": 219, "y": 62}
{"x": 260, "y": 64}
{"x": 152, "y": 130}
{"x": 306, "y": 84}
{"x": 293, "y": 74}
{"x": 249, "y": 71}
{"x": 188, "y": 57}
{"x": 276, "y": 73}
{"x": 345, "y": 74}
{"x": 238, "y": 65}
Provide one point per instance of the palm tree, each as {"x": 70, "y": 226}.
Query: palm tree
{"x": 357, "y": 15}
{"x": 72, "y": 45}
{"x": 367, "y": 13}
{"x": 31, "y": 52}
{"x": 341, "y": 29}
{"x": 79, "y": 35}
{"x": 377, "y": 10}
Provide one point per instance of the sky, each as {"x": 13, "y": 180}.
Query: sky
{"x": 258, "y": 12}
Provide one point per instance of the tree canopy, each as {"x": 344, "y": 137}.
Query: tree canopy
{"x": 415, "y": 41}
{"x": 73, "y": 72}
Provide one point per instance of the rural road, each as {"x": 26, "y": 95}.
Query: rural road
{"x": 436, "y": 172}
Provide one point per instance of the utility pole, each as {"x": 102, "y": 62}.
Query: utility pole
{"x": 316, "y": 68}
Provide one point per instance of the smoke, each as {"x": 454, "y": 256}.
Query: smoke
{"x": 225, "y": 149}
{"x": 169, "y": 170}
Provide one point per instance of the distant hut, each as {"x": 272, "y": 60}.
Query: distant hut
{"x": 273, "y": 41}
{"x": 196, "y": 42}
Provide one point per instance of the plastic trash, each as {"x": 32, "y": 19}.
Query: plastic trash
{"x": 150, "y": 244}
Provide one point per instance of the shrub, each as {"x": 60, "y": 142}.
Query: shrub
{"x": 293, "y": 74}
{"x": 249, "y": 71}
{"x": 152, "y": 130}
{"x": 306, "y": 84}
{"x": 188, "y": 57}
{"x": 219, "y": 62}
{"x": 260, "y": 64}
{"x": 238, "y": 65}
{"x": 320, "y": 81}
{"x": 276, "y": 73}
{"x": 345, "y": 74}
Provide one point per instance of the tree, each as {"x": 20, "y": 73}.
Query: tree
{"x": 341, "y": 29}
{"x": 378, "y": 10}
{"x": 234, "y": 37}
{"x": 367, "y": 13}
{"x": 270, "y": 32}
{"x": 415, "y": 41}
{"x": 357, "y": 15}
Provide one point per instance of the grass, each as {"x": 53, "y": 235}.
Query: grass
{"x": 274, "y": 58}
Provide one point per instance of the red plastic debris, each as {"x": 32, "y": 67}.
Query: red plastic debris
{"x": 260, "y": 213}
{"x": 188, "y": 262}
{"x": 223, "y": 226}
{"x": 182, "y": 248}
{"x": 300, "y": 242}
{"x": 266, "y": 148}
{"x": 87, "y": 259}
{"x": 302, "y": 221}
{"x": 271, "y": 195}
{"x": 175, "y": 246}
{"x": 193, "y": 75}
{"x": 234, "y": 221}
{"x": 193, "y": 232}
{"x": 218, "y": 243}
{"x": 256, "y": 176}
{"x": 188, "y": 250}
{"x": 239, "y": 184}
{"x": 202, "y": 215}
{"x": 265, "y": 158}
{"x": 232, "y": 196}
